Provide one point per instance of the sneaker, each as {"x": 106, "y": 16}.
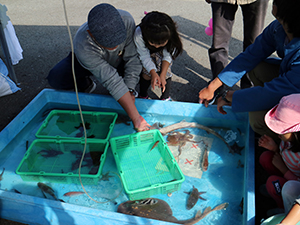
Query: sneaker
{"x": 91, "y": 87}
{"x": 167, "y": 99}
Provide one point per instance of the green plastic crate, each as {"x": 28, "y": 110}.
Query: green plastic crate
{"x": 146, "y": 172}
{"x": 65, "y": 124}
{"x": 58, "y": 161}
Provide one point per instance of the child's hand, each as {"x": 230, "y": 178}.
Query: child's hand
{"x": 155, "y": 80}
{"x": 163, "y": 84}
{"x": 268, "y": 143}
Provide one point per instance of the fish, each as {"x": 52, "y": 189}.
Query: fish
{"x": 204, "y": 160}
{"x": 48, "y": 190}
{"x": 50, "y": 153}
{"x": 73, "y": 193}
{"x": 155, "y": 144}
{"x": 157, "y": 209}
{"x": 194, "y": 195}
{"x": 237, "y": 149}
{"x": 1, "y": 175}
{"x": 184, "y": 124}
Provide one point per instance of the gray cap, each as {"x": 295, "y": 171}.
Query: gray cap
{"x": 106, "y": 25}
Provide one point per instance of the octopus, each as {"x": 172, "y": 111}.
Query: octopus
{"x": 179, "y": 139}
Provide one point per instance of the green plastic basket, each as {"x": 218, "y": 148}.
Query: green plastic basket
{"x": 65, "y": 124}
{"x": 146, "y": 172}
{"x": 58, "y": 161}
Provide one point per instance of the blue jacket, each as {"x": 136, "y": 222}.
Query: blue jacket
{"x": 258, "y": 98}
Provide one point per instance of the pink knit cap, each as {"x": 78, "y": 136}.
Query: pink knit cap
{"x": 285, "y": 117}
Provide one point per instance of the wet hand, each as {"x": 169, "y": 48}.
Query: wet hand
{"x": 220, "y": 105}
{"x": 140, "y": 124}
{"x": 267, "y": 143}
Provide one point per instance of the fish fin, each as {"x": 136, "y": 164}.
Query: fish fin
{"x": 44, "y": 194}
{"x": 198, "y": 214}
{"x": 207, "y": 210}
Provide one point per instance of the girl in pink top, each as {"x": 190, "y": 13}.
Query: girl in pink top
{"x": 282, "y": 162}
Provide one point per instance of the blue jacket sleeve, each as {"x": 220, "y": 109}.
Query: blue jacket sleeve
{"x": 263, "y": 47}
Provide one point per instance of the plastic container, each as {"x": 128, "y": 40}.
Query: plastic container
{"x": 66, "y": 124}
{"x": 146, "y": 164}
{"x": 58, "y": 161}
{"x": 276, "y": 219}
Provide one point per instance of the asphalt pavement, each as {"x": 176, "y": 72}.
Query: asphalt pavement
{"x": 41, "y": 29}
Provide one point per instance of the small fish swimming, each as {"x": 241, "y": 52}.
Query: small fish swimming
{"x": 48, "y": 190}
{"x": 155, "y": 144}
{"x": 50, "y": 153}
{"x": 194, "y": 195}
{"x": 184, "y": 124}
{"x": 1, "y": 175}
{"x": 73, "y": 193}
{"x": 204, "y": 160}
{"x": 157, "y": 209}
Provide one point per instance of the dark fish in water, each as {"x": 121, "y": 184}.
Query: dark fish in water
{"x": 157, "y": 209}
{"x": 94, "y": 170}
{"x": 155, "y": 144}
{"x": 1, "y": 175}
{"x": 237, "y": 149}
{"x": 48, "y": 190}
{"x": 73, "y": 193}
{"x": 194, "y": 195}
{"x": 184, "y": 124}
{"x": 50, "y": 153}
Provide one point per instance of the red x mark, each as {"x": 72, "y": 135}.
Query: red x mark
{"x": 187, "y": 161}
{"x": 194, "y": 146}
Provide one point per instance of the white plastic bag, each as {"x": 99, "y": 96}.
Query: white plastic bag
{"x": 7, "y": 86}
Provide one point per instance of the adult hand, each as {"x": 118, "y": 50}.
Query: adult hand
{"x": 268, "y": 143}
{"x": 140, "y": 124}
{"x": 205, "y": 95}
{"x": 220, "y": 104}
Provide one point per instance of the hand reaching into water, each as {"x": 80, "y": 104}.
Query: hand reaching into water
{"x": 140, "y": 124}
{"x": 268, "y": 143}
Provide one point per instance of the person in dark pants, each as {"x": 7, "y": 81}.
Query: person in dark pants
{"x": 223, "y": 14}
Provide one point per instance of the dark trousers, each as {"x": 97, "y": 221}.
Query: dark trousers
{"x": 61, "y": 76}
{"x": 223, "y": 19}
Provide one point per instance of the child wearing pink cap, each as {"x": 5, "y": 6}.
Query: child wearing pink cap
{"x": 282, "y": 162}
